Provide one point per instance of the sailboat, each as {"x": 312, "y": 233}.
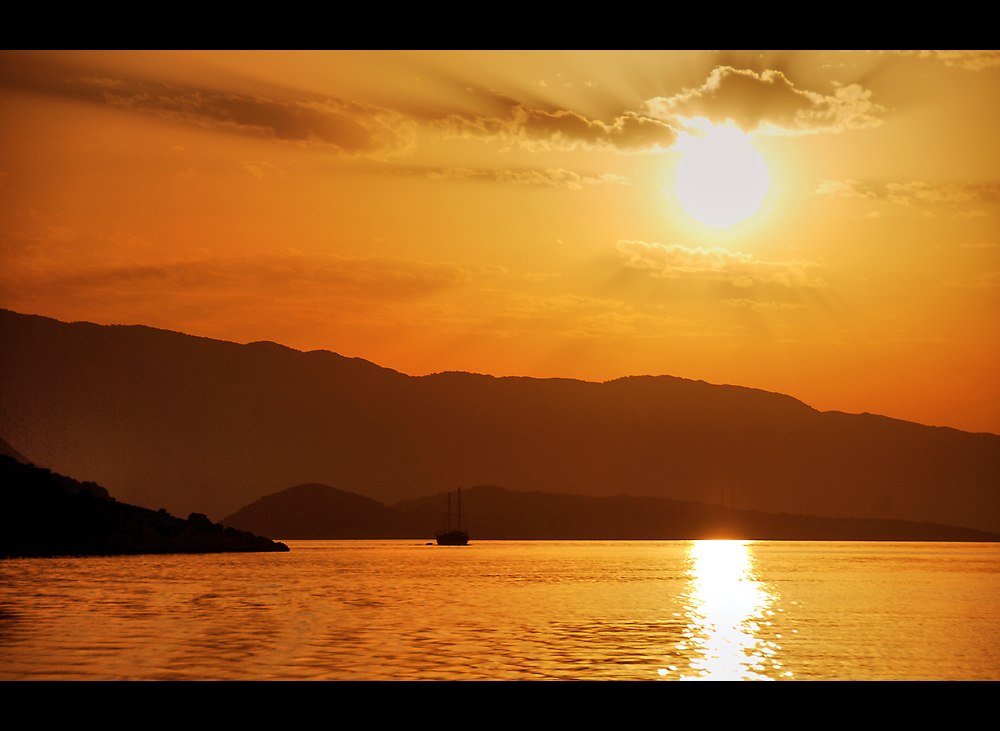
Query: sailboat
{"x": 451, "y": 537}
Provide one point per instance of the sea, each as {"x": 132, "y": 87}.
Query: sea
{"x": 511, "y": 610}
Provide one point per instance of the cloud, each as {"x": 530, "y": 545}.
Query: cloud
{"x": 986, "y": 280}
{"x": 675, "y": 261}
{"x": 292, "y": 292}
{"x": 537, "y": 130}
{"x": 552, "y": 177}
{"x": 261, "y": 168}
{"x": 951, "y": 193}
{"x": 844, "y": 188}
{"x": 965, "y": 59}
{"x": 285, "y": 276}
{"x": 353, "y": 128}
{"x": 969, "y": 60}
{"x": 739, "y": 303}
{"x": 916, "y": 193}
{"x": 577, "y": 316}
{"x": 350, "y": 127}
{"x": 768, "y": 101}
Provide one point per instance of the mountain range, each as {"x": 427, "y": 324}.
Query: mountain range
{"x": 190, "y": 424}
{"x": 321, "y": 512}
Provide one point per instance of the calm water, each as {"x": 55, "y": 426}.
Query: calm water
{"x": 643, "y": 610}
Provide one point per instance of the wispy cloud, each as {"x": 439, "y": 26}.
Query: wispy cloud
{"x": 674, "y": 261}
{"x": 262, "y": 168}
{"x": 767, "y": 101}
{"x": 747, "y": 304}
{"x": 965, "y": 59}
{"x": 844, "y": 188}
{"x": 913, "y": 193}
{"x": 349, "y": 127}
{"x": 580, "y": 317}
{"x": 951, "y": 193}
{"x": 537, "y": 130}
{"x": 295, "y": 275}
{"x": 986, "y": 280}
{"x": 552, "y": 177}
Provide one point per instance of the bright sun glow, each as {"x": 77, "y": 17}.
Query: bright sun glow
{"x": 721, "y": 179}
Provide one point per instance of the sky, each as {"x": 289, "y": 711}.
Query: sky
{"x": 822, "y": 224}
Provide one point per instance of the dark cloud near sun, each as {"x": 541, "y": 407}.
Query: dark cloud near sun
{"x": 768, "y": 101}
{"x": 538, "y": 130}
{"x": 754, "y": 100}
{"x": 529, "y": 119}
{"x": 350, "y": 127}
{"x": 549, "y": 177}
{"x": 538, "y": 177}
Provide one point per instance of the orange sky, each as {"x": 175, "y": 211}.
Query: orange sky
{"x": 516, "y": 214}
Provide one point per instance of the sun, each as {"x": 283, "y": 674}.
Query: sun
{"x": 721, "y": 180}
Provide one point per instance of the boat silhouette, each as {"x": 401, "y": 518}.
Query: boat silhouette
{"x": 451, "y": 537}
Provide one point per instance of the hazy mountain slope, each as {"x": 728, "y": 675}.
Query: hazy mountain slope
{"x": 191, "y": 424}
{"x": 8, "y": 450}
{"x": 492, "y": 513}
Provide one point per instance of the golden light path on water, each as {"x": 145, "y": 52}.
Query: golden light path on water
{"x": 726, "y": 605}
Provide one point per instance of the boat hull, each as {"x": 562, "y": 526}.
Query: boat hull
{"x": 452, "y": 538}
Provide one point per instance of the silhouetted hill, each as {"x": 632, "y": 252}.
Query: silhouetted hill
{"x": 192, "y": 424}
{"x": 317, "y": 511}
{"x": 492, "y": 513}
{"x": 47, "y": 514}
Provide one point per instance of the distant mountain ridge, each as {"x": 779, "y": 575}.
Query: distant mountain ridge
{"x": 191, "y": 424}
{"x": 321, "y": 512}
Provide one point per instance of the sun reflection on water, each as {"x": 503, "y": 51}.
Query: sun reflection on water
{"x": 727, "y": 606}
